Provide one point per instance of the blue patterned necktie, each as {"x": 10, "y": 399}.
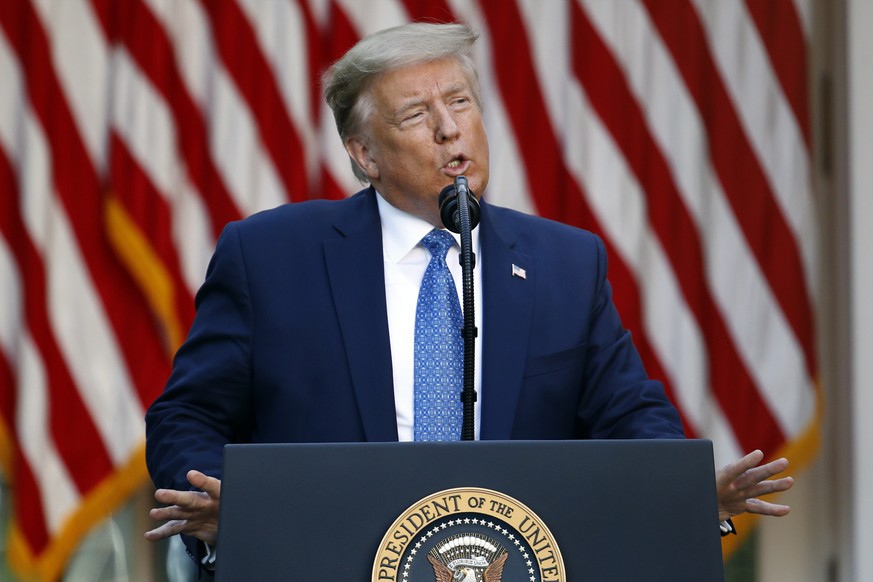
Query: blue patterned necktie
{"x": 439, "y": 348}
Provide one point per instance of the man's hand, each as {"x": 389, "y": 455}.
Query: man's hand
{"x": 739, "y": 484}
{"x": 194, "y": 513}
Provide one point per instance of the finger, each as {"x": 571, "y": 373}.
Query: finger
{"x": 775, "y": 467}
{"x": 171, "y": 496}
{"x": 730, "y": 472}
{"x": 173, "y": 512}
{"x": 180, "y": 498}
{"x": 760, "y": 474}
{"x": 764, "y": 508}
{"x": 165, "y": 531}
{"x": 210, "y": 485}
{"x": 768, "y": 487}
{"x": 165, "y": 513}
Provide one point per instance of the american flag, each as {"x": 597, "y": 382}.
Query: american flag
{"x": 131, "y": 131}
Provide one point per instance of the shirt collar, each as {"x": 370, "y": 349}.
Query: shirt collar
{"x": 401, "y": 231}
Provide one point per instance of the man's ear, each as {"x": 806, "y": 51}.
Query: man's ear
{"x": 359, "y": 151}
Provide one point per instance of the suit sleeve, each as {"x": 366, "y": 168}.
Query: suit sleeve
{"x": 207, "y": 400}
{"x": 619, "y": 400}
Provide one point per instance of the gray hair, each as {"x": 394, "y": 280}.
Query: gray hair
{"x": 347, "y": 81}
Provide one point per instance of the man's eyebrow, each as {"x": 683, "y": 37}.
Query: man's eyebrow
{"x": 457, "y": 88}
{"x": 411, "y": 104}
{"x": 417, "y": 101}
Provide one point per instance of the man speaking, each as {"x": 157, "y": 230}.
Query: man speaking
{"x": 338, "y": 320}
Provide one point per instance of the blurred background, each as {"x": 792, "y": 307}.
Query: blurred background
{"x": 719, "y": 147}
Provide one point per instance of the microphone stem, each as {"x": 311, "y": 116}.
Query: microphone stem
{"x": 469, "y": 332}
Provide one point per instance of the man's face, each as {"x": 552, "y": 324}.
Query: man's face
{"x": 424, "y": 129}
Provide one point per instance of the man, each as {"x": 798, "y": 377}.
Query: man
{"x": 306, "y": 323}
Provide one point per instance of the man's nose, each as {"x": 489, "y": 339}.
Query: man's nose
{"x": 446, "y": 127}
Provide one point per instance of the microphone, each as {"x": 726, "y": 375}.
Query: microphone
{"x": 450, "y": 210}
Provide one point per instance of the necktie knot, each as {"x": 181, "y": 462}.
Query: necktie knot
{"x": 438, "y": 242}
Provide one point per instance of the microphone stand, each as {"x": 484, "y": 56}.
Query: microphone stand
{"x": 461, "y": 221}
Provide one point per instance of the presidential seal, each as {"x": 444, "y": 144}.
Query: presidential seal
{"x": 468, "y": 535}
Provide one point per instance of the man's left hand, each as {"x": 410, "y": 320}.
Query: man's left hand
{"x": 739, "y": 484}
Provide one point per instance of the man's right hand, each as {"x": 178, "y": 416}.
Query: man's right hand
{"x": 194, "y": 513}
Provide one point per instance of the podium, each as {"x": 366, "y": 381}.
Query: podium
{"x": 523, "y": 511}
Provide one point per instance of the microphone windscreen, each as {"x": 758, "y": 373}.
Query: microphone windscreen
{"x": 449, "y": 212}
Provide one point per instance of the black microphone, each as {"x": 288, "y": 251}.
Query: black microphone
{"x": 450, "y": 211}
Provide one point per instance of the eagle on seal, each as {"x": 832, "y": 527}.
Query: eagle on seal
{"x": 493, "y": 573}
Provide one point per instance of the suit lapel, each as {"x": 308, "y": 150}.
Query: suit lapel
{"x": 355, "y": 267}
{"x": 506, "y": 319}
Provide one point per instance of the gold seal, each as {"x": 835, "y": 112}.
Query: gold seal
{"x": 468, "y": 534}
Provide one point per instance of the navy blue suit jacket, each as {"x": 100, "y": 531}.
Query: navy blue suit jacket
{"x": 290, "y": 342}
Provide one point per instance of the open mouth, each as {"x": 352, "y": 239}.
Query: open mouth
{"x": 457, "y": 166}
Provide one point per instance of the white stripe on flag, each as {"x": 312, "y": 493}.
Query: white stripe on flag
{"x": 12, "y": 307}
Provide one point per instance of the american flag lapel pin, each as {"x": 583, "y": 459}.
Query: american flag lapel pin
{"x": 518, "y": 272}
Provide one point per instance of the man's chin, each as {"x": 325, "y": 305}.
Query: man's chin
{"x": 477, "y": 187}
{"x": 474, "y": 183}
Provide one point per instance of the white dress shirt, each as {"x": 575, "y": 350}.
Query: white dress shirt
{"x": 405, "y": 262}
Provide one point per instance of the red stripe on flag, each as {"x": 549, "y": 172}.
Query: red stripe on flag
{"x": 238, "y": 46}
{"x": 782, "y": 35}
{"x": 29, "y": 514}
{"x": 341, "y": 36}
{"x": 738, "y": 168}
{"x": 613, "y": 100}
{"x": 429, "y": 11}
{"x": 330, "y": 188}
{"x": 315, "y": 58}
